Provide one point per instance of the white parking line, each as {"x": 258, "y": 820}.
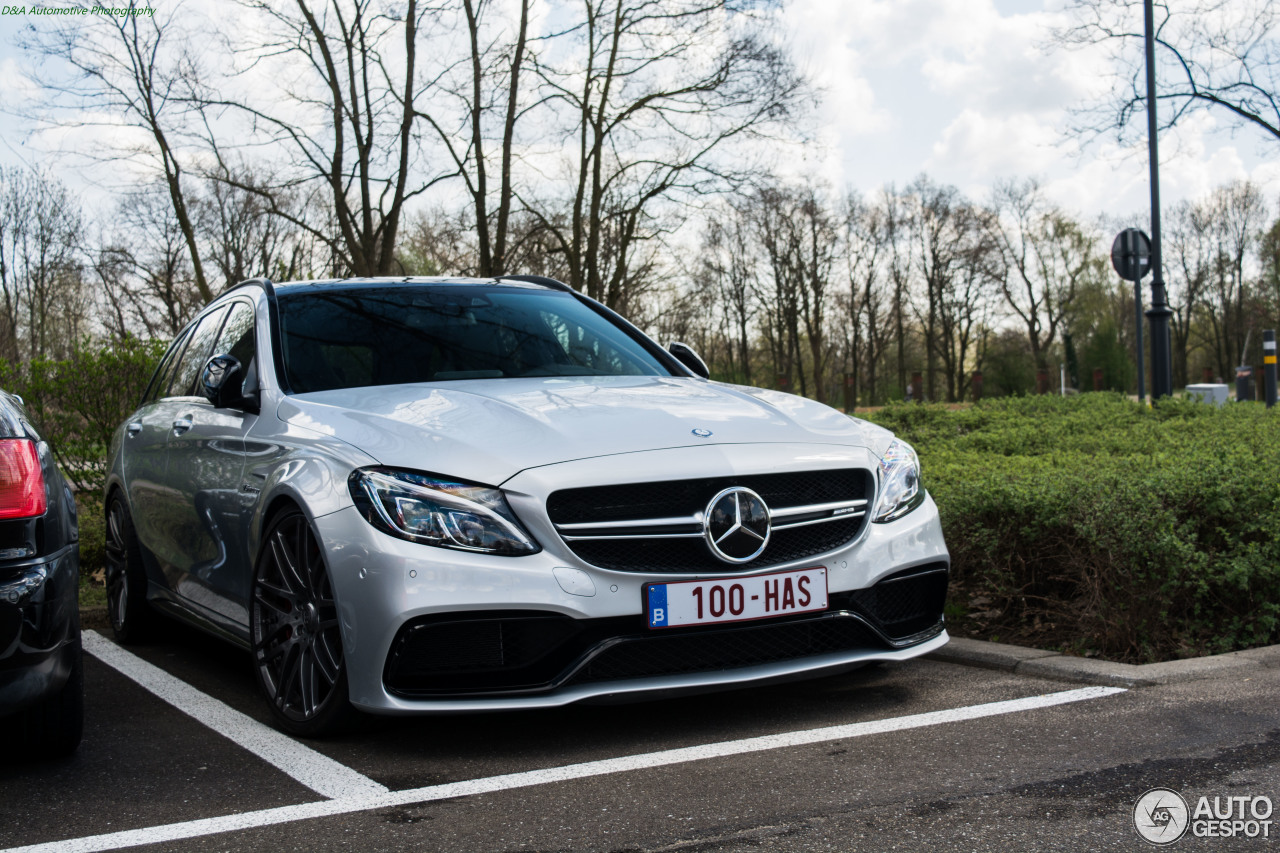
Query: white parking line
{"x": 318, "y": 772}
{"x": 330, "y": 808}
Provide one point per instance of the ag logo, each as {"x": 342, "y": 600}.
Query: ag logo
{"x": 1161, "y": 816}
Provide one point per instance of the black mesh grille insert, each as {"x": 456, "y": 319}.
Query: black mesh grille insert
{"x": 482, "y": 650}
{"x": 727, "y": 649}
{"x": 904, "y": 603}
{"x": 678, "y": 498}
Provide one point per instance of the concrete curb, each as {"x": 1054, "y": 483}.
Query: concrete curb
{"x": 1060, "y": 667}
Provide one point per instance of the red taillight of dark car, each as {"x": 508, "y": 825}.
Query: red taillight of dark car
{"x": 22, "y": 492}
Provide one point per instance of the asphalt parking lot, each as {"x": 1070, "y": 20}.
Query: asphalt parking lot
{"x": 925, "y": 755}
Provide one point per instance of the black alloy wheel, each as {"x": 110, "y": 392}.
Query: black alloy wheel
{"x": 294, "y": 631}
{"x": 131, "y": 617}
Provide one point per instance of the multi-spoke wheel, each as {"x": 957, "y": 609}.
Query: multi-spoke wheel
{"x": 131, "y": 616}
{"x": 297, "y": 644}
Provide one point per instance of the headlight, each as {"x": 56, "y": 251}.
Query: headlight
{"x": 900, "y": 491}
{"x": 444, "y": 513}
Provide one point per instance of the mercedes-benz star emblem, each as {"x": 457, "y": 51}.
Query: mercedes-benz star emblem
{"x": 736, "y": 525}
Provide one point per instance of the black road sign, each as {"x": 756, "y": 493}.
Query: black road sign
{"x": 1131, "y": 254}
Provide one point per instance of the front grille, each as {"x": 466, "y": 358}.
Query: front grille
{"x": 527, "y": 652}
{"x": 678, "y": 547}
{"x": 685, "y": 497}
{"x": 692, "y": 555}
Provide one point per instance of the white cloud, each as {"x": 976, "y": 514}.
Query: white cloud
{"x": 820, "y": 33}
{"x": 978, "y": 146}
{"x": 972, "y": 92}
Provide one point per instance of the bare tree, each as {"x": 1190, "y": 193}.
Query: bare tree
{"x": 814, "y": 259}
{"x": 958, "y": 263}
{"x": 868, "y": 243}
{"x": 132, "y": 72}
{"x": 897, "y": 233}
{"x": 1236, "y": 215}
{"x": 1269, "y": 261}
{"x": 244, "y": 236}
{"x": 489, "y": 89}
{"x": 1189, "y": 249}
{"x": 729, "y": 259}
{"x": 346, "y": 124}
{"x": 650, "y": 93}
{"x": 145, "y": 267}
{"x": 1046, "y": 256}
{"x": 1211, "y": 54}
{"x": 41, "y": 288}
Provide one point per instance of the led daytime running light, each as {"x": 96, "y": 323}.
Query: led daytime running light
{"x": 900, "y": 490}
{"x": 438, "y": 512}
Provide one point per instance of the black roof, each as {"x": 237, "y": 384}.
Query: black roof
{"x": 383, "y": 281}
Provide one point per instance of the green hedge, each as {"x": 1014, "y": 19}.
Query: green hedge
{"x": 76, "y": 404}
{"x": 1104, "y": 527}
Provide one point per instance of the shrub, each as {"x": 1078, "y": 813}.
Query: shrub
{"x": 93, "y": 536}
{"x": 1106, "y": 527}
{"x": 77, "y": 403}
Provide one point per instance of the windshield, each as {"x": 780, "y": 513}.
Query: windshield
{"x": 335, "y": 338}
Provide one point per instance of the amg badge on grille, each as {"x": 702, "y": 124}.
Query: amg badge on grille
{"x": 736, "y": 525}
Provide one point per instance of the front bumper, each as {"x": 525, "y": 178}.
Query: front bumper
{"x": 39, "y": 627}
{"x": 383, "y": 584}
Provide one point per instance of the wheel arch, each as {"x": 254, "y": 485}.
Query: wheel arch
{"x": 271, "y": 509}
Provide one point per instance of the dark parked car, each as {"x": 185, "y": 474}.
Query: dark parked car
{"x": 41, "y": 675}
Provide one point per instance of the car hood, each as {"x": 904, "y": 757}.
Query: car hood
{"x": 489, "y": 430}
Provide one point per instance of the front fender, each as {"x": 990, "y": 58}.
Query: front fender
{"x": 313, "y": 478}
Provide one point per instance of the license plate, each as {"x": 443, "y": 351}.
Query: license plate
{"x": 673, "y": 605}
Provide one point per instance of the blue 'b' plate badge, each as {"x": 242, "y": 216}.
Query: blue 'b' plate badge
{"x": 658, "y": 606}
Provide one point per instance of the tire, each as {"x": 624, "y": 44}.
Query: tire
{"x": 294, "y": 632}
{"x": 132, "y": 619}
{"x": 52, "y": 728}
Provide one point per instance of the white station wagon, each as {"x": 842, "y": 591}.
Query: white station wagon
{"x": 441, "y": 495}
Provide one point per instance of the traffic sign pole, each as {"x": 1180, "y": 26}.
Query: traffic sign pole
{"x": 1161, "y": 346}
{"x": 1131, "y": 241}
{"x": 1131, "y": 258}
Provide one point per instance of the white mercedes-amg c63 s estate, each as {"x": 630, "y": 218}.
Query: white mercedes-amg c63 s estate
{"x": 443, "y": 495}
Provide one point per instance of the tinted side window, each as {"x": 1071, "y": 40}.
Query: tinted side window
{"x": 197, "y": 353}
{"x": 237, "y": 340}
{"x": 160, "y": 380}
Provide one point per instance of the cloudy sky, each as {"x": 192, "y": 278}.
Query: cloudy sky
{"x": 965, "y": 90}
{"x": 968, "y": 91}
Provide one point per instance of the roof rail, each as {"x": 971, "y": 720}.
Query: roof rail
{"x": 262, "y": 281}
{"x": 537, "y": 279}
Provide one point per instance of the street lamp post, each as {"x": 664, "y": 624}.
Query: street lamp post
{"x": 1158, "y": 315}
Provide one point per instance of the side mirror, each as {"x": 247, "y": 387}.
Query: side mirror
{"x": 686, "y": 356}
{"x": 222, "y": 383}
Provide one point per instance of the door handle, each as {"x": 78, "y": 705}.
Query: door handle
{"x": 133, "y": 429}
{"x": 181, "y": 425}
